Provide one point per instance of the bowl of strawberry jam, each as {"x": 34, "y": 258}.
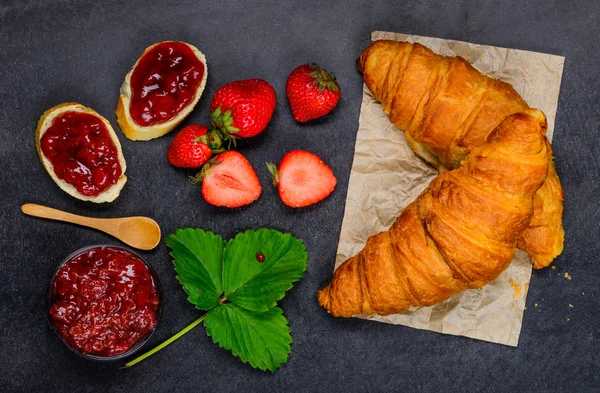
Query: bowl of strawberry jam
{"x": 104, "y": 302}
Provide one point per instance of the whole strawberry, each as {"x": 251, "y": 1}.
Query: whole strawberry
{"x": 242, "y": 108}
{"x": 302, "y": 178}
{"x": 229, "y": 180}
{"x": 190, "y": 148}
{"x": 312, "y": 92}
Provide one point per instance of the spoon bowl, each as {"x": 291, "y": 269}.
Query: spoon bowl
{"x": 139, "y": 232}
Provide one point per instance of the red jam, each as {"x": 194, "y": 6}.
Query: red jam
{"x": 105, "y": 301}
{"x": 164, "y": 81}
{"x": 82, "y": 152}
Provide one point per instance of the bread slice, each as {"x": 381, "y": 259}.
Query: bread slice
{"x": 136, "y": 132}
{"x": 107, "y": 195}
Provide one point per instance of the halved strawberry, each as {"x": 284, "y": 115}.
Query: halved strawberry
{"x": 302, "y": 178}
{"x": 229, "y": 180}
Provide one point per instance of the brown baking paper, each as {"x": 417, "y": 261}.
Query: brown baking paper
{"x": 386, "y": 176}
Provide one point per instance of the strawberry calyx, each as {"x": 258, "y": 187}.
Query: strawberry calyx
{"x": 213, "y": 139}
{"x": 223, "y": 121}
{"x": 323, "y": 78}
{"x": 222, "y": 130}
{"x": 274, "y": 172}
{"x": 198, "y": 177}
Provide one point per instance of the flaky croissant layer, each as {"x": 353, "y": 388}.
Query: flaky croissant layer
{"x": 460, "y": 233}
{"x": 446, "y": 108}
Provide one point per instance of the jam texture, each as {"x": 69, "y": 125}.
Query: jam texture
{"x": 105, "y": 301}
{"x": 82, "y": 152}
{"x": 164, "y": 82}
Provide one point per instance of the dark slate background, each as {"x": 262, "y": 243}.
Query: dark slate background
{"x": 58, "y": 51}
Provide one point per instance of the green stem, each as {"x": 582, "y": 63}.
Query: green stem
{"x": 164, "y": 344}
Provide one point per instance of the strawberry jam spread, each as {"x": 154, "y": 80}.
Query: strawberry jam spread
{"x": 105, "y": 299}
{"x": 164, "y": 81}
{"x": 82, "y": 152}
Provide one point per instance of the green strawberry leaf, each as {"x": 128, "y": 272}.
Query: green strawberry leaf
{"x": 260, "y": 338}
{"x": 198, "y": 258}
{"x": 239, "y": 284}
{"x": 258, "y": 285}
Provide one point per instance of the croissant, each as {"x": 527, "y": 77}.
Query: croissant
{"x": 446, "y": 108}
{"x": 461, "y": 232}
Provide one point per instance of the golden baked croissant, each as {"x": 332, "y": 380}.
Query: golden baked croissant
{"x": 460, "y": 233}
{"x": 446, "y": 108}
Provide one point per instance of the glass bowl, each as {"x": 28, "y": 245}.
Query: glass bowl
{"x": 51, "y": 299}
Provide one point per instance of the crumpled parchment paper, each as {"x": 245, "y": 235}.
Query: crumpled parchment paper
{"x": 386, "y": 175}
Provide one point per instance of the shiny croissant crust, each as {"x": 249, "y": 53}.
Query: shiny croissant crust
{"x": 460, "y": 233}
{"x": 446, "y": 108}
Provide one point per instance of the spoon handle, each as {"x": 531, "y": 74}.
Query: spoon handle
{"x": 47, "y": 212}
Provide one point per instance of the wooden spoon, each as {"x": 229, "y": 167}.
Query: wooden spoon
{"x": 138, "y": 232}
